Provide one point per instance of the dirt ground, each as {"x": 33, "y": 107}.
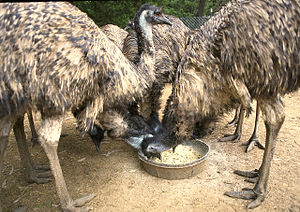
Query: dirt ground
{"x": 116, "y": 177}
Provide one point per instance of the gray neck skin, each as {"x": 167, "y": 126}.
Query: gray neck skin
{"x": 144, "y": 36}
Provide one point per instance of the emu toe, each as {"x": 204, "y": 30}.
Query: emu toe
{"x": 247, "y": 194}
{"x": 252, "y": 180}
{"x": 233, "y": 138}
{"x": 232, "y": 123}
{"x": 251, "y": 176}
{"x": 39, "y": 174}
{"x": 77, "y": 205}
{"x": 253, "y": 141}
{"x": 83, "y": 200}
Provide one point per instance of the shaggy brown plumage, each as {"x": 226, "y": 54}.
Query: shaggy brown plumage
{"x": 115, "y": 34}
{"x": 249, "y": 49}
{"x": 170, "y": 43}
{"x": 55, "y": 58}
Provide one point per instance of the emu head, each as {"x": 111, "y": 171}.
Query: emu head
{"x": 153, "y": 139}
{"x": 149, "y": 15}
{"x": 154, "y": 145}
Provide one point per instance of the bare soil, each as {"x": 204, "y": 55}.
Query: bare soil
{"x": 116, "y": 177}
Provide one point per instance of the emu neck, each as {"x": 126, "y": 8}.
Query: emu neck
{"x": 144, "y": 37}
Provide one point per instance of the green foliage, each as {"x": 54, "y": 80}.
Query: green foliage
{"x": 120, "y": 12}
{"x": 215, "y": 5}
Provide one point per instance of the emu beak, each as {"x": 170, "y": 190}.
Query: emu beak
{"x": 162, "y": 20}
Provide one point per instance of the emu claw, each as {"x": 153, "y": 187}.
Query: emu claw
{"x": 233, "y": 138}
{"x": 248, "y": 174}
{"x": 83, "y": 200}
{"x": 42, "y": 167}
{"x": 40, "y": 174}
{"x": 251, "y": 177}
{"x": 252, "y": 180}
{"x": 247, "y": 194}
{"x": 76, "y": 205}
{"x": 252, "y": 143}
{"x": 257, "y": 202}
{"x": 232, "y": 123}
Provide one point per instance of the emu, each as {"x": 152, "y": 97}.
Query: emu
{"x": 117, "y": 36}
{"x": 54, "y": 59}
{"x": 248, "y": 50}
{"x": 170, "y": 43}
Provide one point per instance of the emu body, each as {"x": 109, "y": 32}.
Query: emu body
{"x": 249, "y": 49}
{"x": 55, "y": 58}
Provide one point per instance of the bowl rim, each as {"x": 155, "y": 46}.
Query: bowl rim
{"x": 143, "y": 158}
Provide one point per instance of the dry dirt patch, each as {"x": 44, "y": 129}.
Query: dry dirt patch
{"x": 116, "y": 177}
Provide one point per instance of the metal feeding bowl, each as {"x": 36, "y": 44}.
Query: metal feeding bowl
{"x": 177, "y": 171}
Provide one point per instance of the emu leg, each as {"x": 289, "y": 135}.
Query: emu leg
{"x": 235, "y": 119}
{"x": 49, "y": 137}
{"x": 274, "y": 118}
{"x": 3, "y": 145}
{"x": 235, "y": 137}
{"x": 5, "y": 127}
{"x": 34, "y": 135}
{"x": 33, "y": 173}
{"x": 253, "y": 141}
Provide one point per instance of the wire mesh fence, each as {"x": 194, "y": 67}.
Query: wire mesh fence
{"x": 194, "y": 22}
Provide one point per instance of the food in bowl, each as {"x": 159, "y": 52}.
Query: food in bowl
{"x": 183, "y": 154}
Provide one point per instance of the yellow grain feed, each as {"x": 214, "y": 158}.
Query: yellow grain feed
{"x": 183, "y": 154}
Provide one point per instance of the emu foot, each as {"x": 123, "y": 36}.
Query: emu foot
{"x": 253, "y": 141}
{"x": 233, "y": 138}
{"x": 77, "y": 204}
{"x": 232, "y": 123}
{"x": 251, "y": 176}
{"x": 247, "y": 194}
{"x": 39, "y": 174}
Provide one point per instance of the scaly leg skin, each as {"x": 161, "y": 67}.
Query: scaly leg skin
{"x": 274, "y": 118}
{"x": 49, "y": 137}
{"x": 34, "y": 135}
{"x": 235, "y": 119}
{"x": 5, "y": 127}
{"x": 235, "y": 137}
{"x": 3, "y": 145}
{"x": 253, "y": 141}
{"x": 33, "y": 173}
